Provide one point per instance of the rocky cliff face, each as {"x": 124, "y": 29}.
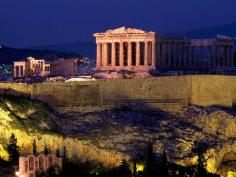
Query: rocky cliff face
{"x": 110, "y": 135}
{"x": 128, "y": 131}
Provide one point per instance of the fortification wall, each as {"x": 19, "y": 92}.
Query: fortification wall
{"x": 200, "y": 90}
{"x": 212, "y": 90}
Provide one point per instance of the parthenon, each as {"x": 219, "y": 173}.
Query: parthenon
{"x": 126, "y": 49}
{"x": 137, "y": 50}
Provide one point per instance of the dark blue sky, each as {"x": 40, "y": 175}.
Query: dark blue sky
{"x": 40, "y": 22}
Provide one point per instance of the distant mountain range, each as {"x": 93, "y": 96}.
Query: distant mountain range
{"x": 8, "y": 54}
{"x": 210, "y": 32}
{"x": 87, "y": 49}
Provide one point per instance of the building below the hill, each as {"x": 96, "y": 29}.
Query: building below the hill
{"x": 29, "y": 165}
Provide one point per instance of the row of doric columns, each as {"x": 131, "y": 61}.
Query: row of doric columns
{"x": 174, "y": 54}
{"x": 130, "y": 53}
{"x": 213, "y": 56}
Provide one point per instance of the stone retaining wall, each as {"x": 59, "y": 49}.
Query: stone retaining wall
{"x": 200, "y": 90}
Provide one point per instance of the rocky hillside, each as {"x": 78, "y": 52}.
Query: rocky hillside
{"x": 110, "y": 135}
{"x": 30, "y": 120}
{"x": 128, "y": 131}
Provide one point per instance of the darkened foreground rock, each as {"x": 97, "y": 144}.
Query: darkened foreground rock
{"x": 111, "y": 135}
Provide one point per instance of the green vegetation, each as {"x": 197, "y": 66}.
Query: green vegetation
{"x": 32, "y": 121}
{"x": 152, "y": 168}
{"x": 32, "y": 116}
{"x": 13, "y": 150}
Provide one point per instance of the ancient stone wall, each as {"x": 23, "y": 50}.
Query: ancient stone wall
{"x": 200, "y": 90}
{"x": 212, "y": 90}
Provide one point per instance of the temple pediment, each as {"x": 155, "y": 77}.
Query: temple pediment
{"x": 122, "y": 30}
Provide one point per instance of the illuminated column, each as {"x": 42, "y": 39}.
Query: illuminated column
{"x": 121, "y": 54}
{"x": 98, "y": 55}
{"x": 137, "y": 53}
{"x": 154, "y": 54}
{"x": 105, "y": 52}
{"x": 129, "y": 53}
{"x": 146, "y": 54}
{"x": 113, "y": 59}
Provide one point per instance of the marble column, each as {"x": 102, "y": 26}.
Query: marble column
{"x": 105, "y": 52}
{"x": 218, "y": 55}
{"x": 157, "y": 53}
{"x": 169, "y": 54}
{"x": 224, "y": 56}
{"x": 181, "y": 58}
{"x": 228, "y": 56}
{"x": 98, "y": 55}
{"x": 121, "y": 54}
{"x": 154, "y": 54}
{"x": 232, "y": 56}
{"x": 214, "y": 56}
{"x": 176, "y": 56}
{"x": 146, "y": 54}
{"x": 190, "y": 56}
{"x": 137, "y": 53}
{"x": 129, "y": 54}
{"x": 185, "y": 57}
{"x": 113, "y": 54}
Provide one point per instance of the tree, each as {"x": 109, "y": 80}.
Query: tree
{"x": 13, "y": 150}
{"x": 65, "y": 158}
{"x": 46, "y": 150}
{"x": 134, "y": 168}
{"x": 124, "y": 169}
{"x": 150, "y": 163}
{"x": 34, "y": 146}
{"x": 164, "y": 165}
{"x": 200, "y": 171}
{"x": 58, "y": 153}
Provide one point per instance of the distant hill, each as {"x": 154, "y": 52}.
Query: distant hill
{"x": 87, "y": 49}
{"x": 8, "y": 54}
{"x": 210, "y": 32}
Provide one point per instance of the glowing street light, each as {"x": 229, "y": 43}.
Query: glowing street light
{"x": 19, "y": 174}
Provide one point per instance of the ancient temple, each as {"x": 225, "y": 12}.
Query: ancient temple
{"x": 126, "y": 49}
{"x": 137, "y": 50}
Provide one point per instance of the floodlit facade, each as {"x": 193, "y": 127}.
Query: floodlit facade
{"x": 126, "y": 49}
{"x": 137, "y": 50}
{"x": 29, "y": 165}
{"x": 30, "y": 68}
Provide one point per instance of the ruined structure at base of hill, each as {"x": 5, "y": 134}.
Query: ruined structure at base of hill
{"x": 170, "y": 92}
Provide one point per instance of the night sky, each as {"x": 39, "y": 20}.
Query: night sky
{"x": 26, "y": 23}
